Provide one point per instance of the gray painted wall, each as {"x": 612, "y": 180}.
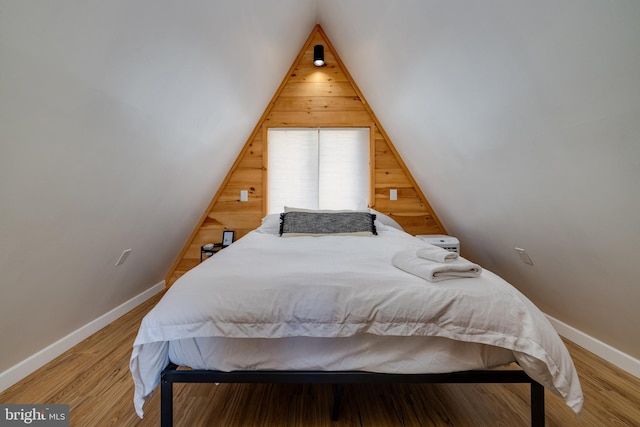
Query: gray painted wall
{"x": 118, "y": 121}
{"x": 521, "y": 122}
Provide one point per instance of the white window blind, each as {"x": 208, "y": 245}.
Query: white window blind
{"x": 318, "y": 168}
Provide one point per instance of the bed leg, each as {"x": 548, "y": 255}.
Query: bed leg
{"x": 537, "y": 405}
{"x": 337, "y": 396}
{"x": 166, "y": 403}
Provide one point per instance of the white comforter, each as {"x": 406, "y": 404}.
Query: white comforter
{"x": 267, "y": 286}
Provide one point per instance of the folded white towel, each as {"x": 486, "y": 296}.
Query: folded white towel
{"x": 435, "y": 271}
{"x": 435, "y": 253}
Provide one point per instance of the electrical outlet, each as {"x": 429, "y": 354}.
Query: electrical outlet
{"x": 244, "y": 195}
{"x": 393, "y": 194}
{"x": 524, "y": 256}
{"x": 123, "y": 257}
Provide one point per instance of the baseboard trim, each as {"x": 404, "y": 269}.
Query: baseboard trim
{"x": 597, "y": 347}
{"x": 21, "y": 370}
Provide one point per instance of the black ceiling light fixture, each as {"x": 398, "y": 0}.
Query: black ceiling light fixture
{"x": 318, "y": 55}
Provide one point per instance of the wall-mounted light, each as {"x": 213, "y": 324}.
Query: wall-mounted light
{"x": 318, "y": 55}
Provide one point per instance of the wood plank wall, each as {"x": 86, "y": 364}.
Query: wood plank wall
{"x": 309, "y": 96}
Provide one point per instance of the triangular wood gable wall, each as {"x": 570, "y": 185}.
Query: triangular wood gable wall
{"x": 309, "y": 96}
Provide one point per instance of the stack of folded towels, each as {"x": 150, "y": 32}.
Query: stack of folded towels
{"x": 434, "y": 264}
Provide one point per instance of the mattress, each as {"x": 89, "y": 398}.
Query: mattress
{"x": 338, "y": 303}
{"x": 366, "y": 352}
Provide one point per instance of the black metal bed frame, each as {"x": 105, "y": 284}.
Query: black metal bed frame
{"x": 171, "y": 375}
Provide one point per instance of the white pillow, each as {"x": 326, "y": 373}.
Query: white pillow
{"x": 270, "y": 223}
{"x": 386, "y": 220}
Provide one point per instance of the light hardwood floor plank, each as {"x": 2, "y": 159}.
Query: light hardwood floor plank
{"x": 93, "y": 378}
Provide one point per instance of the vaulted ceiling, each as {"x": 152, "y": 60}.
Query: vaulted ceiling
{"x": 119, "y": 120}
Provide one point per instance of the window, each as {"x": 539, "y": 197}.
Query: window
{"x": 318, "y": 168}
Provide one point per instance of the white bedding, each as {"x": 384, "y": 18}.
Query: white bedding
{"x": 264, "y": 286}
{"x": 364, "y": 352}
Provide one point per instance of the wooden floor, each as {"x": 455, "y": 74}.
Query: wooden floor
{"x": 94, "y": 379}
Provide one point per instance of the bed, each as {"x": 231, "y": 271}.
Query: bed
{"x": 324, "y": 306}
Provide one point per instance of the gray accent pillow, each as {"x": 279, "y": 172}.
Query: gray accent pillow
{"x": 324, "y": 223}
